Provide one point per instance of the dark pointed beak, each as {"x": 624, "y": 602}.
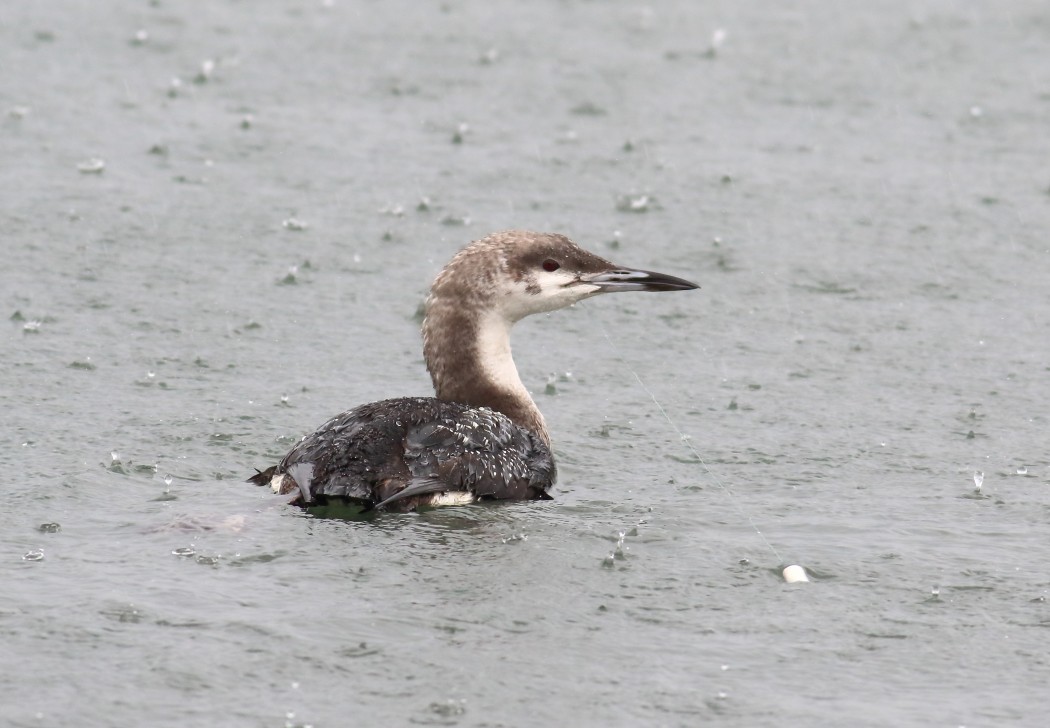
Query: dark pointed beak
{"x": 625, "y": 279}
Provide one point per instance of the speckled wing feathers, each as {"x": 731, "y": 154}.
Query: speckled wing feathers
{"x": 373, "y": 452}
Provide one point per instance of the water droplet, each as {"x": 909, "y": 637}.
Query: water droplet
{"x": 31, "y": 327}
{"x": 609, "y": 561}
{"x": 635, "y": 203}
{"x": 92, "y": 166}
{"x": 167, "y": 480}
{"x": 978, "y": 480}
{"x": 455, "y": 220}
{"x": 207, "y": 68}
{"x": 290, "y": 277}
{"x": 718, "y": 38}
{"x": 34, "y": 555}
{"x": 115, "y": 457}
{"x": 140, "y": 37}
{"x": 184, "y": 551}
{"x": 450, "y": 708}
{"x": 1022, "y": 470}
{"x": 936, "y": 591}
{"x": 293, "y": 223}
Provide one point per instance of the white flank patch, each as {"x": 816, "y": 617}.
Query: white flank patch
{"x": 452, "y": 498}
{"x": 277, "y": 484}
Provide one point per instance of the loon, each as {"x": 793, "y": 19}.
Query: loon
{"x": 482, "y": 437}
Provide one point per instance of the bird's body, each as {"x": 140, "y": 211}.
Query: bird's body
{"x": 482, "y": 437}
{"x": 416, "y": 451}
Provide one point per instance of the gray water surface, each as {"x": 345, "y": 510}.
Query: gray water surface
{"x": 860, "y": 188}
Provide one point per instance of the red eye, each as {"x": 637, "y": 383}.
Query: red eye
{"x": 551, "y": 265}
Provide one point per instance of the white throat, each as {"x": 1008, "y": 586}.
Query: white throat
{"x": 494, "y": 355}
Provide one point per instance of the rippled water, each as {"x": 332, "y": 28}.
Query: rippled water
{"x": 196, "y": 273}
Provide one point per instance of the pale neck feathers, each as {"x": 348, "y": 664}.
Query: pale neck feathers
{"x": 468, "y": 354}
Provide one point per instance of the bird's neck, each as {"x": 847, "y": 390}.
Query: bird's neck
{"x": 467, "y": 351}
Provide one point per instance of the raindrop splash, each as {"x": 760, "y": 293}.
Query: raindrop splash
{"x": 92, "y": 166}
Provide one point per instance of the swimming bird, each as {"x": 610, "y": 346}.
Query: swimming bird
{"x": 481, "y": 437}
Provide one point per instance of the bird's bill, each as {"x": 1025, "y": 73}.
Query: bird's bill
{"x": 626, "y": 279}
